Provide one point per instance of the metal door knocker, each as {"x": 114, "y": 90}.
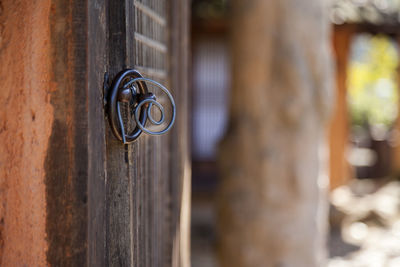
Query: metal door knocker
{"x": 130, "y": 87}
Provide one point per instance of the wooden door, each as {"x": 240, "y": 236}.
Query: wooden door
{"x": 138, "y": 193}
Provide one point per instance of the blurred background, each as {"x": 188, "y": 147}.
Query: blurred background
{"x": 362, "y": 134}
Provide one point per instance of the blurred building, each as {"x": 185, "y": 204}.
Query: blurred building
{"x": 211, "y": 85}
{"x": 210, "y": 97}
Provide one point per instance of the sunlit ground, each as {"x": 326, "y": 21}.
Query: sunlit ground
{"x": 365, "y": 221}
{"x": 365, "y": 226}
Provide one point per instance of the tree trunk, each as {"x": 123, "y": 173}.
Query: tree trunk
{"x": 272, "y": 199}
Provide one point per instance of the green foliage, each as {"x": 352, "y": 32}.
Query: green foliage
{"x": 372, "y": 81}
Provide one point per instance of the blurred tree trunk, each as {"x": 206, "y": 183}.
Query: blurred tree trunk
{"x": 272, "y": 199}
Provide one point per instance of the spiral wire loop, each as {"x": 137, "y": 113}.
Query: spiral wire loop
{"x": 150, "y": 100}
{"x": 141, "y": 101}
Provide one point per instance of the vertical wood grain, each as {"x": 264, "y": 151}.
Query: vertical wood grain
{"x": 118, "y": 232}
{"x": 145, "y": 179}
{"x": 180, "y": 169}
{"x": 97, "y": 66}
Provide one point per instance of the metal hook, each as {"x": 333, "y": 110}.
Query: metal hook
{"x": 141, "y": 101}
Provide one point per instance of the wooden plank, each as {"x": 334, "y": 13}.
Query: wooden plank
{"x": 118, "y": 233}
{"x": 75, "y": 160}
{"x": 68, "y": 151}
{"x": 164, "y": 213}
{"x": 180, "y": 165}
{"x": 97, "y": 64}
{"x": 150, "y": 199}
{"x": 142, "y": 220}
{"x": 133, "y": 149}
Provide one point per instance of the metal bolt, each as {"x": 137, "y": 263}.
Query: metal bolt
{"x": 125, "y": 95}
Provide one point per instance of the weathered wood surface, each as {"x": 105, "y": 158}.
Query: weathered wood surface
{"x": 272, "y": 201}
{"x": 48, "y": 209}
{"x": 118, "y": 214}
{"x": 70, "y": 193}
{"x": 97, "y": 66}
{"x": 68, "y": 150}
{"x": 180, "y": 155}
{"x": 145, "y": 180}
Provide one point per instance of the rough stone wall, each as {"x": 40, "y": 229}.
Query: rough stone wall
{"x": 272, "y": 198}
{"x": 26, "y": 117}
